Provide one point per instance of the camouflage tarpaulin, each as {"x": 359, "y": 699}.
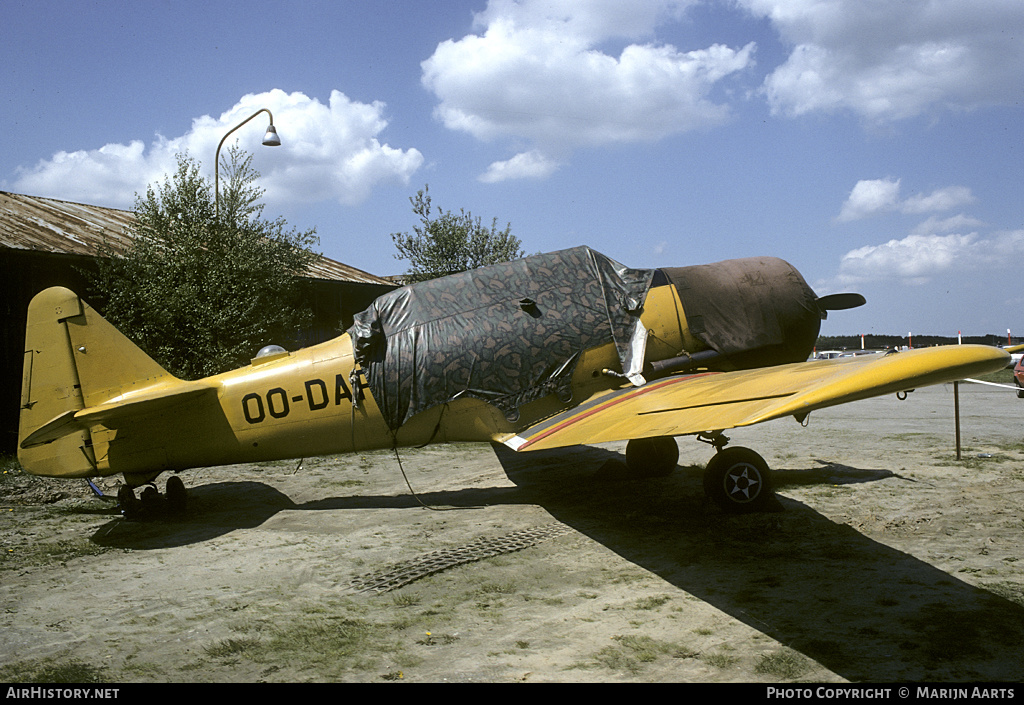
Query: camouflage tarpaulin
{"x": 507, "y": 334}
{"x": 757, "y": 311}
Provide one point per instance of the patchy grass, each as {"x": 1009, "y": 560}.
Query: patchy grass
{"x": 10, "y": 468}
{"x": 651, "y": 603}
{"x": 52, "y": 670}
{"x": 19, "y": 552}
{"x": 974, "y": 459}
{"x": 785, "y": 664}
{"x": 248, "y": 647}
{"x": 630, "y": 653}
{"x": 508, "y": 588}
{"x": 915, "y": 438}
{"x": 19, "y": 488}
{"x": 330, "y": 645}
{"x": 432, "y": 639}
{"x": 717, "y": 659}
{"x": 402, "y": 599}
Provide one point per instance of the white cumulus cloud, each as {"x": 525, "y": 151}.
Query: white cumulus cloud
{"x": 942, "y": 199}
{"x": 888, "y": 60}
{"x": 870, "y": 196}
{"x": 935, "y": 224}
{"x": 328, "y": 152}
{"x": 914, "y": 259}
{"x": 526, "y": 165}
{"x": 873, "y": 196}
{"x": 539, "y": 72}
{"x": 926, "y": 254}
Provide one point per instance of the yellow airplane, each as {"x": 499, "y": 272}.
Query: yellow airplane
{"x": 553, "y": 350}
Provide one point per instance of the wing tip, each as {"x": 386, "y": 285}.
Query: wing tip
{"x": 515, "y": 442}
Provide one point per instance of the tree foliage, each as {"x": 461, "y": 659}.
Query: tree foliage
{"x": 203, "y": 294}
{"x": 451, "y": 243}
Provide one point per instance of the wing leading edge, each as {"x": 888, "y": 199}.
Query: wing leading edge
{"x": 697, "y": 403}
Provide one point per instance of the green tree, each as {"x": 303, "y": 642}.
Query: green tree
{"x": 201, "y": 294}
{"x": 451, "y": 242}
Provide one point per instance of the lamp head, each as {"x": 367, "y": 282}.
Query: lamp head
{"x": 271, "y": 139}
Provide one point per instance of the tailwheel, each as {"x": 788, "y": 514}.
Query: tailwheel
{"x": 150, "y": 504}
{"x": 652, "y": 457}
{"x": 738, "y": 480}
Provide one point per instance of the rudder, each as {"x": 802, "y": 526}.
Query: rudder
{"x": 73, "y": 359}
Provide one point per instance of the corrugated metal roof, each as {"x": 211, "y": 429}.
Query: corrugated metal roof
{"x": 63, "y": 227}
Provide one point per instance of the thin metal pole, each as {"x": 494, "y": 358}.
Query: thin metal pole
{"x": 956, "y": 408}
{"x": 216, "y": 159}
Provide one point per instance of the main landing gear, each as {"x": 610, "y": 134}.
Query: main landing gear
{"x": 150, "y": 504}
{"x": 736, "y": 479}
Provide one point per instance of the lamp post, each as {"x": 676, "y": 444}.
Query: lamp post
{"x": 269, "y": 140}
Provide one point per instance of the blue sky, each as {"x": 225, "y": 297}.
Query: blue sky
{"x": 876, "y": 145}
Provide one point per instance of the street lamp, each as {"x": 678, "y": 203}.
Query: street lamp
{"x": 269, "y": 140}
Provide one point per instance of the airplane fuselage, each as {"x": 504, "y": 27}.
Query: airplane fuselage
{"x": 315, "y": 401}
{"x": 134, "y": 418}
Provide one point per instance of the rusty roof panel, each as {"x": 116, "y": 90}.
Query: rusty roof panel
{"x": 63, "y": 227}
{"x": 49, "y": 225}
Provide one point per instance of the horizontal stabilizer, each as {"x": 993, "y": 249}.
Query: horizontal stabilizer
{"x": 137, "y": 404}
{"x": 53, "y": 429}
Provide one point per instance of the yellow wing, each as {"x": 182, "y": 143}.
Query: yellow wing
{"x": 715, "y": 401}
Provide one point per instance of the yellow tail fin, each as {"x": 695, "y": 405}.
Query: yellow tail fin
{"x": 73, "y": 360}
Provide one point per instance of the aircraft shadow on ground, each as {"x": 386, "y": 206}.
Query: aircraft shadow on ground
{"x": 214, "y": 509}
{"x": 218, "y": 508}
{"x": 862, "y": 609}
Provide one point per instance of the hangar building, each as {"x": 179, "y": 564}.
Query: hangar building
{"x": 47, "y": 242}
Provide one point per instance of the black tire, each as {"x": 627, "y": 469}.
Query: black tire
{"x": 1020, "y": 390}
{"x": 738, "y": 480}
{"x": 652, "y": 457}
{"x": 176, "y": 494}
{"x": 130, "y": 506}
{"x": 150, "y": 495}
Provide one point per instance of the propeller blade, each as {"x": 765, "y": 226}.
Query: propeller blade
{"x": 839, "y": 302}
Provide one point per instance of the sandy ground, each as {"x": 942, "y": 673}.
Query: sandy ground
{"x": 888, "y": 560}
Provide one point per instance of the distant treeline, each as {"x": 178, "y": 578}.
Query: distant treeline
{"x": 874, "y": 342}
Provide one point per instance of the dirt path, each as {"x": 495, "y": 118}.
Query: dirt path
{"x": 889, "y": 561}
